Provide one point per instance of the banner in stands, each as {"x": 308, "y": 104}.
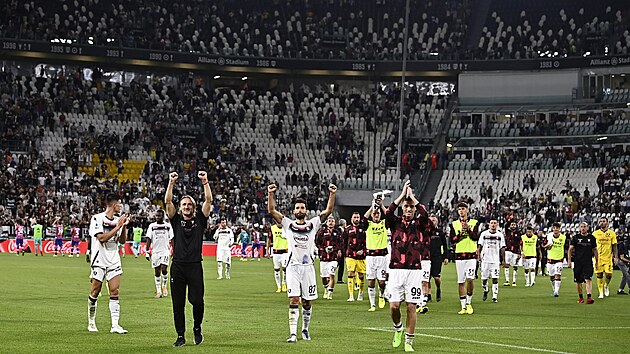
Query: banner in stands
{"x": 208, "y": 250}
{"x": 193, "y": 61}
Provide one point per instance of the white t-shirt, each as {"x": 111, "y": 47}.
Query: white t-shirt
{"x": 104, "y": 254}
{"x": 224, "y": 238}
{"x": 491, "y": 245}
{"x": 301, "y": 239}
{"x": 160, "y": 236}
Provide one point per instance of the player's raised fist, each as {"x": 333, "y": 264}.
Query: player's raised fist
{"x": 272, "y": 188}
{"x": 173, "y": 177}
{"x": 332, "y": 188}
{"x": 203, "y": 176}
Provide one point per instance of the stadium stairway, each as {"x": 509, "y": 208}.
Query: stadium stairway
{"x": 430, "y": 188}
{"x": 480, "y": 13}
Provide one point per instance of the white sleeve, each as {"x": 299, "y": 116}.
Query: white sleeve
{"x": 502, "y": 242}
{"x": 231, "y": 238}
{"x": 150, "y": 232}
{"x": 216, "y": 235}
{"x": 481, "y": 237}
{"x": 285, "y": 222}
{"x": 171, "y": 234}
{"x": 96, "y": 226}
{"x": 317, "y": 222}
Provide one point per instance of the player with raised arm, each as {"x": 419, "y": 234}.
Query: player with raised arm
{"x": 279, "y": 246}
{"x": 464, "y": 235}
{"x": 529, "y": 254}
{"x": 411, "y": 233}
{"x": 301, "y": 279}
{"x": 106, "y": 230}
{"x": 555, "y": 254}
{"x": 491, "y": 249}
{"x": 512, "y": 253}
{"x": 159, "y": 236}
{"x": 186, "y": 269}
{"x": 225, "y": 239}
{"x": 607, "y": 248}
{"x": 585, "y": 247}
{"x": 376, "y": 257}
{"x": 329, "y": 242}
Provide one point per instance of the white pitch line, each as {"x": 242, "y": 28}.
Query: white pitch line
{"x": 478, "y": 342}
{"x": 387, "y": 329}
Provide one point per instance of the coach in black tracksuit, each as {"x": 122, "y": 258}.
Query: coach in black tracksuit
{"x": 186, "y": 270}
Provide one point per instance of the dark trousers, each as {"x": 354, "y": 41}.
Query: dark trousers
{"x": 340, "y": 269}
{"x": 187, "y": 275}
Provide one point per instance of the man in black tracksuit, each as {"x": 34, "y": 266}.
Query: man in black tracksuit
{"x": 439, "y": 256}
{"x": 189, "y": 226}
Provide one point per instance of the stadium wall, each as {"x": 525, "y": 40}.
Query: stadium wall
{"x": 493, "y": 88}
{"x": 208, "y": 250}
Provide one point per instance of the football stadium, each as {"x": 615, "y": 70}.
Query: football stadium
{"x": 299, "y": 176}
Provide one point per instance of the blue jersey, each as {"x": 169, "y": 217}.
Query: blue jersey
{"x": 244, "y": 237}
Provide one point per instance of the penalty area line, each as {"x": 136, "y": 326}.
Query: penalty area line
{"x": 476, "y": 342}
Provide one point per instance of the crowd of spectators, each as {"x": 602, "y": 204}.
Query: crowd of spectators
{"x": 570, "y": 207}
{"x": 332, "y": 29}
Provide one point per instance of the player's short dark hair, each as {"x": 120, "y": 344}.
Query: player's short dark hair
{"x": 160, "y": 211}
{"x": 462, "y": 205}
{"x": 356, "y": 212}
{"x": 556, "y": 224}
{"x": 603, "y": 217}
{"x": 299, "y": 201}
{"x": 112, "y": 198}
{"x": 529, "y": 227}
{"x": 408, "y": 200}
{"x": 222, "y": 219}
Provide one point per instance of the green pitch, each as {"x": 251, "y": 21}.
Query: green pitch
{"x": 44, "y": 310}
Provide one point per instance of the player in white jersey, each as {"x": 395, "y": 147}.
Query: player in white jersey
{"x": 106, "y": 230}
{"x": 225, "y": 238}
{"x": 159, "y": 235}
{"x": 491, "y": 248}
{"x": 301, "y": 280}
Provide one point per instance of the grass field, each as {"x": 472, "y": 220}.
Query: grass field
{"x": 44, "y": 310}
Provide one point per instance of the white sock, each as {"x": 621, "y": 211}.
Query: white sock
{"x": 227, "y": 270}
{"x": 294, "y": 315}
{"x": 220, "y": 269}
{"x": 514, "y": 275}
{"x": 484, "y": 284}
{"x": 507, "y": 274}
{"x": 553, "y": 285}
{"x": 381, "y": 292}
{"x": 372, "y": 296}
{"x": 306, "y": 317}
{"x": 92, "y": 304}
{"x": 114, "y": 310}
{"x": 462, "y": 300}
{"x": 398, "y": 327}
{"x": 284, "y": 276}
{"x": 532, "y": 274}
{"x": 164, "y": 280}
{"x": 158, "y": 284}
{"x": 409, "y": 338}
{"x": 495, "y": 290}
{"x": 558, "y": 286}
{"x": 423, "y": 300}
{"x": 276, "y": 274}
{"x": 468, "y": 299}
